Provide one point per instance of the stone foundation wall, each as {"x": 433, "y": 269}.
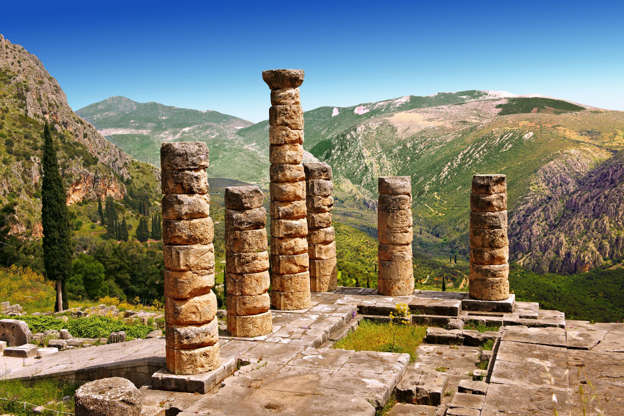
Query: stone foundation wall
{"x": 192, "y": 331}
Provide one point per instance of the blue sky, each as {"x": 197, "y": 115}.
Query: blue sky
{"x": 208, "y": 55}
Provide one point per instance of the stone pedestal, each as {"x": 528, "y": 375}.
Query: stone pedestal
{"x": 489, "y": 246}
{"x": 395, "y": 234}
{"x": 192, "y": 331}
{"x": 321, "y": 234}
{"x": 290, "y": 279}
{"x": 247, "y": 262}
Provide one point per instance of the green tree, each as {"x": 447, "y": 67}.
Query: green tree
{"x": 123, "y": 231}
{"x": 100, "y": 211}
{"x": 142, "y": 231}
{"x": 88, "y": 278}
{"x": 56, "y": 232}
{"x": 111, "y": 219}
{"x": 156, "y": 226}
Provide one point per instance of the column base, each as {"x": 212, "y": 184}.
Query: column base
{"x": 193, "y": 383}
{"x": 506, "y": 305}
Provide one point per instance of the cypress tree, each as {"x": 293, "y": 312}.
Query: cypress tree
{"x": 156, "y": 227}
{"x": 100, "y": 211}
{"x": 123, "y": 230}
{"x": 142, "y": 231}
{"x": 111, "y": 219}
{"x": 55, "y": 220}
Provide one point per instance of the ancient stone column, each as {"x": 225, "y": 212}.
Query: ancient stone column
{"x": 394, "y": 230}
{"x": 192, "y": 329}
{"x": 247, "y": 262}
{"x": 321, "y": 234}
{"x": 290, "y": 279}
{"x": 489, "y": 245}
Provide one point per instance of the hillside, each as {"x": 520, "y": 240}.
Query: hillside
{"x": 91, "y": 166}
{"x": 140, "y": 128}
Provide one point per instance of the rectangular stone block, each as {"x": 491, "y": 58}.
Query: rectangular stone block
{"x": 240, "y": 263}
{"x": 321, "y": 235}
{"x": 248, "y": 305}
{"x": 288, "y": 192}
{"x": 488, "y": 220}
{"x": 289, "y": 228}
{"x": 322, "y": 251}
{"x": 21, "y": 351}
{"x": 317, "y": 170}
{"x": 299, "y": 282}
{"x": 288, "y": 210}
{"x": 185, "y": 207}
{"x": 248, "y": 284}
{"x": 202, "y": 383}
{"x": 390, "y": 252}
{"x": 250, "y": 219}
{"x": 286, "y": 115}
{"x": 488, "y": 238}
{"x": 297, "y": 245}
{"x": 391, "y": 203}
{"x": 489, "y": 184}
{"x": 241, "y": 198}
{"x": 395, "y": 185}
{"x": 319, "y": 220}
{"x": 289, "y": 263}
{"x": 187, "y": 284}
{"x": 325, "y": 267}
{"x": 320, "y": 187}
{"x": 185, "y": 182}
{"x": 183, "y": 155}
{"x": 193, "y": 257}
{"x": 188, "y": 232}
{"x": 251, "y": 325}
{"x": 194, "y": 311}
{"x": 319, "y": 203}
{"x": 489, "y": 255}
{"x": 192, "y": 336}
{"x": 193, "y": 361}
{"x": 286, "y": 173}
{"x": 248, "y": 241}
{"x": 285, "y": 96}
{"x": 287, "y": 301}
{"x": 286, "y": 154}
{"x": 284, "y": 135}
{"x": 488, "y": 203}
{"x": 489, "y": 289}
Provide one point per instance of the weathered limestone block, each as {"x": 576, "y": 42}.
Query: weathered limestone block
{"x": 247, "y": 262}
{"x": 287, "y": 301}
{"x": 250, "y": 325}
{"x": 184, "y": 156}
{"x": 282, "y": 172}
{"x": 317, "y": 170}
{"x": 241, "y": 198}
{"x": 289, "y": 263}
{"x": 289, "y": 228}
{"x": 290, "y": 116}
{"x": 323, "y": 267}
{"x": 185, "y": 207}
{"x": 247, "y": 241}
{"x": 193, "y": 361}
{"x": 194, "y": 311}
{"x": 193, "y": 257}
{"x": 319, "y": 203}
{"x": 286, "y": 154}
{"x": 322, "y": 251}
{"x": 395, "y": 235}
{"x": 324, "y": 283}
{"x": 319, "y": 187}
{"x": 288, "y": 191}
{"x": 285, "y": 135}
{"x": 285, "y": 96}
{"x": 248, "y": 284}
{"x": 318, "y": 220}
{"x": 113, "y": 396}
{"x": 489, "y": 244}
{"x": 188, "y": 284}
{"x": 248, "y": 305}
{"x": 283, "y": 78}
{"x": 14, "y": 332}
{"x": 288, "y": 210}
{"x": 291, "y": 282}
{"x": 296, "y": 245}
{"x": 322, "y": 236}
{"x": 192, "y": 336}
{"x": 185, "y": 182}
{"x": 250, "y": 219}
{"x": 188, "y": 232}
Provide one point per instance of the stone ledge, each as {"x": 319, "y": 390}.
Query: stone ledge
{"x": 489, "y": 305}
{"x": 194, "y": 383}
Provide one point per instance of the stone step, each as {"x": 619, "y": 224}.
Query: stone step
{"x": 432, "y": 320}
{"x": 421, "y": 387}
{"x": 472, "y": 387}
{"x": 22, "y": 351}
{"x": 405, "y": 409}
{"x": 467, "y": 401}
{"x": 467, "y": 337}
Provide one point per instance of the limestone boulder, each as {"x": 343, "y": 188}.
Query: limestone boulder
{"x": 113, "y": 396}
{"x": 14, "y": 332}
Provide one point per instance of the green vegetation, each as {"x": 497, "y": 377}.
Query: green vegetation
{"x": 57, "y": 250}
{"x": 372, "y": 336}
{"x": 481, "y": 327}
{"x": 22, "y": 396}
{"x": 489, "y": 345}
{"x": 26, "y": 287}
{"x": 387, "y": 407}
{"x": 536, "y": 105}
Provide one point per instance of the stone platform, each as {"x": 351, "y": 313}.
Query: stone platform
{"x": 540, "y": 364}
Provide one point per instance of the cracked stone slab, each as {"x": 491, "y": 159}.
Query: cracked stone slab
{"x": 434, "y": 306}
{"x": 468, "y": 401}
{"x": 405, "y": 409}
{"x": 455, "y": 360}
{"x": 472, "y": 387}
{"x": 543, "y": 336}
{"x": 462, "y": 411}
{"x": 421, "y": 387}
{"x": 527, "y": 310}
{"x": 194, "y": 383}
{"x": 526, "y": 400}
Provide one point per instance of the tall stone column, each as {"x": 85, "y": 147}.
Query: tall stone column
{"x": 395, "y": 234}
{"x": 489, "y": 245}
{"x": 247, "y": 262}
{"x": 192, "y": 332}
{"x": 321, "y": 234}
{"x": 290, "y": 279}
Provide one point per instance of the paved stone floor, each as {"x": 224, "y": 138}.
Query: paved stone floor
{"x": 541, "y": 364}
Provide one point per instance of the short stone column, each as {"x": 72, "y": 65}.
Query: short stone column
{"x": 192, "y": 331}
{"x": 247, "y": 262}
{"x": 290, "y": 279}
{"x": 395, "y": 234}
{"x": 321, "y": 234}
{"x": 114, "y": 396}
{"x": 489, "y": 245}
